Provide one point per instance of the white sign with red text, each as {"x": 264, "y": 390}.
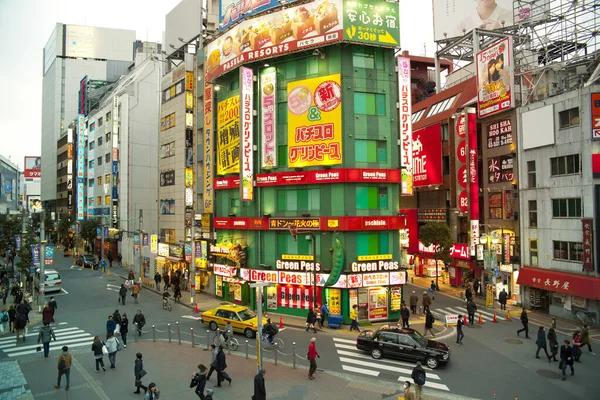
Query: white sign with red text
{"x": 377, "y": 279}
{"x": 264, "y": 276}
{"x": 223, "y": 270}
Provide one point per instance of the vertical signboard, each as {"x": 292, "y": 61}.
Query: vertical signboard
{"x": 406, "y": 155}
{"x": 80, "y": 146}
{"x": 473, "y": 179}
{"x": 153, "y": 244}
{"x": 495, "y": 77}
{"x": 80, "y": 202}
{"x": 595, "y": 115}
{"x": 268, "y": 118}
{"x": 82, "y": 109}
{"x": 588, "y": 245}
{"x": 462, "y": 199}
{"x": 228, "y": 136}
{"x": 246, "y": 140}
{"x": 208, "y": 149}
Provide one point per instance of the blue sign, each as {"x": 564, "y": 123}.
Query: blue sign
{"x": 114, "y": 193}
{"x": 136, "y": 239}
{"x": 187, "y": 248}
{"x": 35, "y": 253}
{"x": 106, "y": 231}
{"x": 145, "y": 239}
{"x": 49, "y": 254}
{"x": 98, "y": 232}
{"x": 115, "y": 167}
{"x": 18, "y": 241}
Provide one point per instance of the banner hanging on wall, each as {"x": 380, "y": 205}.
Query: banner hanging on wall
{"x": 228, "y": 136}
{"x": 247, "y": 134}
{"x": 406, "y": 152}
{"x": 268, "y": 118}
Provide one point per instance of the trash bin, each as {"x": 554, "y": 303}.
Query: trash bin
{"x": 334, "y": 321}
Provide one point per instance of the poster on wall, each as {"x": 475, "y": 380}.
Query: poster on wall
{"x": 228, "y": 136}
{"x": 427, "y": 156}
{"x": 231, "y": 11}
{"x": 334, "y": 300}
{"x": 268, "y": 118}
{"x": 315, "y": 122}
{"x": 218, "y": 286}
{"x": 378, "y": 303}
{"x": 247, "y": 134}
{"x": 272, "y": 298}
{"x": 237, "y": 292}
{"x": 495, "y": 78}
{"x": 33, "y": 167}
{"x": 406, "y": 152}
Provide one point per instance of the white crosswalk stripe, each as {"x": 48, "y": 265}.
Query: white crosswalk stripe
{"x": 65, "y": 336}
{"x": 359, "y": 362}
{"x": 486, "y": 316}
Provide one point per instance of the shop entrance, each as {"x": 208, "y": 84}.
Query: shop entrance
{"x": 373, "y": 303}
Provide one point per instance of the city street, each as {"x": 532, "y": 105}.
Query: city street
{"x": 493, "y": 357}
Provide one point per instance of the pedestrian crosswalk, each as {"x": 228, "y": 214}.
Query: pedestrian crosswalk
{"x": 359, "y": 362}
{"x": 486, "y": 315}
{"x": 65, "y": 336}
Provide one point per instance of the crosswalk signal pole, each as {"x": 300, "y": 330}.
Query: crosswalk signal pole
{"x": 42, "y": 256}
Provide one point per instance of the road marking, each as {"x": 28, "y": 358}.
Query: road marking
{"x": 191, "y": 317}
{"x": 88, "y": 342}
{"x": 344, "y": 341}
{"x": 76, "y": 267}
{"x": 110, "y": 285}
{"x": 433, "y": 385}
{"x": 367, "y": 357}
{"x": 91, "y": 381}
{"x": 59, "y": 342}
{"x": 35, "y": 333}
{"x": 360, "y": 371}
{"x": 12, "y": 343}
{"x": 62, "y": 323}
{"x": 345, "y": 346}
{"x": 385, "y": 367}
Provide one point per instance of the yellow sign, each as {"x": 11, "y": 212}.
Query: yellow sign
{"x": 315, "y": 122}
{"x": 237, "y": 292}
{"x": 228, "y": 136}
{"x": 333, "y": 223}
{"x": 189, "y": 119}
{"x": 189, "y": 177}
{"x": 296, "y": 257}
{"x": 489, "y": 296}
{"x": 153, "y": 243}
{"x": 375, "y": 257}
{"x": 189, "y": 80}
{"x": 167, "y": 122}
{"x": 335, "y": 301}
{"x": 189, "y": 100}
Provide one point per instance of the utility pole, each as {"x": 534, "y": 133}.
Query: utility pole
{"x": 141, "y": 221}
{"x": 102, "y": 237}
{"x": 259, "y": 286}
{"x": 193, "y": 266}
{"x": 42, "y": 254}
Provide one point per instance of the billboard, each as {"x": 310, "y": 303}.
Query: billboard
{"x": 228, "y": 136}
{"x": 231, "y": 11}
{"x": 372, "y": 21}
{"x": 34, "y": 204}
{"x": 495, "y": 78}
{"x": 406, "y": 156}
{"x": 208, "y": 149}
{"x": 247, "y": 138}
{"x": 452, "y": 18}
{"x": 33, "y": 167}
{"x": 427, "y": 156}
{"x": 315, "y": 122}
{"x": 268, "y": 119}
{"x": 80, "y": 201}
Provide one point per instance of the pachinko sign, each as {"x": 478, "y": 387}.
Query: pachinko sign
{"x": 208, "y": 149}
{"x": 315, "y": 122}
{"x": 247, "y": 139}
{"x": 231, "y": 11}
{"x": 268, "y": 117}
{"x": 495, "y": 76}
{"x": 406, "y": 155}
{"x": 228, "y": 136}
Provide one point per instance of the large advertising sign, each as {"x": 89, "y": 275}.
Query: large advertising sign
{"x": 247, "y": 139}
{"x": 268, "y": 118}
{"x": 473, "y": 179}
{"x": 315, "y": 122}
{"x": 270, "y": 35}
{"x": 372, "y": 21}
{"x": 452, "y": 18}
{"x": 208, "y": 149}
{"x": 80, "y": 147}
{"x": 228, "y": 136}
{"x": 34, "y": 204}
{"x": 80, "y": 201}
{"x": 82, "y": 109}
{"x": 495, "y": 77}
{"x": 462, "y": 199}
{"x": 231, "y": 11}
{"x": 595, "y": 115}
{"x": 33, "y": 167}
{"x": 406, "y": 153}
{"x": 588, "y": 244}
{"x": 427, "y": 156}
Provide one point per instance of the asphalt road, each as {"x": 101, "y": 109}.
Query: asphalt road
{"x": 493, "y": 357}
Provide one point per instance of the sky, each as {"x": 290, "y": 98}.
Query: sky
{"x": 26, "y": 25}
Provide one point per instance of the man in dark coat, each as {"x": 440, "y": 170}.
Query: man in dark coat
{"x": 139, "y": 321}
{"x": 541, "y": 343}
{"x": 471, "y": 309}
{"x": 468, "y": 294}
{"x": 311, "y": 319}
{"x": 525, "y": 322}
{"x": 405, "y": 315}
{"x": 476, "y": 287}
{"x": 426, "y": 302}
{"x": 459, "y": 329}
{"x": 260, "y": 392}
{"x": 502, "y": 299}
{"x": 157, "y": 280}
{"x": 220, "y": 368}
{"x": 414, "y": 300}
{"x": 566, "y": 358}
{"x": 429, "y": 320}
{"x": 166, "y": 279}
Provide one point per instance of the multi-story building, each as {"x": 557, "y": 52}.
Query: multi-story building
{"x": 9, "y": 174}
{"x": 71, "y": 53}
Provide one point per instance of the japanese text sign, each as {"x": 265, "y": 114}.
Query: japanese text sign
{"x": 208, "y": 149}
{"x": 80, "y": 201}
{"x": 473, "y": 179}
{"x": 268, "y": 100}
{"x": 500, "y": 169}
{"x": 588, "y": 245}
{"x": 247, "y": 138}
{"x": 495, "y": 78}
{"x": 370, "y": 21}
{"x": 315, "y": 122}
{"x": 406, "y": 152}
{"x": 427, "y": 156}
{"x": 228, "y": 136}
{"x": 499, "y": 133}
{"x": 462, "y": 199}
{"x": 33, "y": 165}
{"x": 299, "y": 223}
{"x": 153, "y": 244}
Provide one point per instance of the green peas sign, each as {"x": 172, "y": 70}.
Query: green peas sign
{"x": 375, "y": 22}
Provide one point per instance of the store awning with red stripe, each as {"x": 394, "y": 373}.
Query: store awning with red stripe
{"x": 560, "y": 282}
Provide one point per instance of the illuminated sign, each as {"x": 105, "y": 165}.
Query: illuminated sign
{"x": 247, "y": 139}
{"x": 406, "y": 153}
{"x": 268, "y": 99}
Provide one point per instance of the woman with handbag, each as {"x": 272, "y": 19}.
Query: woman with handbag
{"x": 98, "y": 349}
{"x": 112, "y": 345}
{"x": 139, "y": 372}
{"x": 199, "y": 381}
{"x": 553, "y": 341}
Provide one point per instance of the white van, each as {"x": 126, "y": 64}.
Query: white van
{"x": 52, "y": 281}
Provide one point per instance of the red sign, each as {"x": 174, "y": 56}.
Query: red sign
{"x": 596, "y": 163}
{"x": 463, "y": 201}
{"x": 411, "y": 228}
{"x": 384, "y": 223}
{"x": 427, "y": 156}
{"x": 595, "y": 115}
{"x": 588, "y": 246}
{"x": 33, "y": 167}
{"x": 473, "y": 181}
{"x": 461, "y": 151}
{"x": 462, "y": 177}
{"x": 460, "y": 251}
{"x": 560, "y": 282}
{"x": 506, "y": 248}
{"x": 296, "y": 296}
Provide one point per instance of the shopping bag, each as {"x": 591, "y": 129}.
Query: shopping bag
{"x": 104, "y": 349}
{"x": 118, "y": 330}
{"x": 39, "y": 348}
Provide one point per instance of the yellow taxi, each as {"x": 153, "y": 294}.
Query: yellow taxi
{"x": 243, "y": 320}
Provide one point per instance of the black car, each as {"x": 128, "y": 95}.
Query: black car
{"x": 404, "y": 344}
{"x": 87, "y": 261}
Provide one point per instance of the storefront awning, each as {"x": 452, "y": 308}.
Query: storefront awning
{"x": 560, "y": 282}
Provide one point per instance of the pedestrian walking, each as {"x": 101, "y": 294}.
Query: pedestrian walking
{"x": 5, "y": 293}
{"x": 47, "y": 314}
{"x": 166, "y": 279}
{"x": 120, "y": 259}
{"x": 312, "y": 356}
{"x": 459, "y": 329}
{"x": 541, "y": 343}
{"x": 111, "y": 325}
{"x": 131, "y": 276}
{"x": 476, "y": 286}
{"x": 152, "y": 393}
{"x": 318, "y": 315}
{"x": 122, "y": 294}
{"x": 112, "y": 345}
{"x": 124, "y": 324}
{"x": 19, "y": 325}
{"x": 311, "y": 319}
{"x": 471, "y": 309}
{"x": 220, "y": 367}
{"x": 199, "y": 381}
{"x": 260, "y": 391}
{"x": 53, "y": 304}
{"x": 135, "y": 290}
{"x": 157, "y": 280}
{"x": 408, "y": 394}
{"x": 468, "y": 294}
{"x": 139, "y": 321}
{"x": 324, "y": 314}
{"x": 414, "y": 300}
{"x": 426, "y": 302}
{"x": 566, "y": 359}
{"x": 213, "y": 360}
{"x": 139, "y": 373}
{"x": 117, "y": 318}
{"x": 46, "y": 334}
{"x": 525, "y": 322}
{"x": 553, "y": 341}
{"x": 585, "y": 338}
{"x": 418, "y": 376}
{"x": 576, "y": 346}
{"x": 98, "y": 353}
{"x": 429, "y": 320}
{"x": 354, "y": 318}
{"x": 405, "y": 316}
{"x": 4, "y": 319}
{"x": 110, "y": 259}
{"x": 502, "y": 299}
{"x": 64, "y": 368}
{"x": 12, "y": 313}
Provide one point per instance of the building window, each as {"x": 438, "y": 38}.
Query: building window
{"x": 107, "y": 157}
{"x": 367, "y": 57}
{"x": 99, "y": 182}
{"x": 441, "y": 106}
{"x": 532, "y": 213}
{"x": 100, "y": 141}
{"x": 282, "y": 154}
{"x": 565, "y": 165}
{"x": 282, "y": 112}
{"x": 373, "y": 151}
{"x": 302, "y": 246}
{"x": 446, "y": 165}
{"x": 91, "y": 164}
{"x": 100, "y": 122}
{"x": 108, "y": 137}
{"x": 107, "y": 200}
{"x": 91, "y": 145}
{"x": 568, "y": 251}
{"x": 568, "y": 118}
{"x": 566, "y": 208}
{"x": 299, "y": 200}
{"x": 99, "y": 201}
{"x": 531, "y": 176}
{"x": 90, "y": 183}
{"x": 445, "y": 134}
{"x": 234, "y": 206}
{"x": 533, "y": 252}
{"x": 99, "y": 161}
{"x": 369, "y": 103}
{"x": 417, "y": 116}
{"x": 371, "y": 197}
{"x": 368, "y": 244}
{"x": 108, "y": 116}
{"x": 107, "y": 179}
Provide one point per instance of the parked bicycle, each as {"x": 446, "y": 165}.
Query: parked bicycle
{"x": 229, "y": 343}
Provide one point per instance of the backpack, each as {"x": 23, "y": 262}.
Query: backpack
{"x": 62, "y": 365}
{"x": 420, "y": 377}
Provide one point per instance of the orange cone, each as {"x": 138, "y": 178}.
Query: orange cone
{"x": 280, "y": 322}
{"x": 508, "y": 315}
{"x": 495, "y": 320}
{"x": 196, "y": 309}
{"x": 480, "y": 320}
{"x": 465, "y": 319}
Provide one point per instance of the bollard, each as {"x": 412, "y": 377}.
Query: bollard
{"x": 169, "y": 328}
{"x": 412, "y": 279}
{"x": 207, "y": 339}
{"x": 136, "y": 332}
{"x": 246, "y": 349}
{"x": 153, "y": 333}
{"x": 178, "y": 332}
{"x": 192, "y": 331}
{"x": 294, "y": 354}
{"x": 275, "y": 347}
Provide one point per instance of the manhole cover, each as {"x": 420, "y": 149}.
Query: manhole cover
{"x": 546, "y": 373}
{"x": 514, "y": 341}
